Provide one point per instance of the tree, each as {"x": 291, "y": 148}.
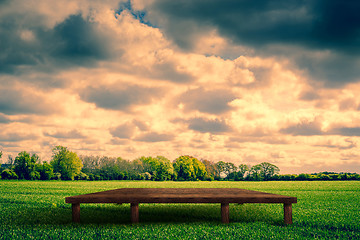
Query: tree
{"x": 25, "y": 166}
{"x": 229, "y": 168}
{"x": 220, "y": 169}
{"x": 165, "y": 170}
{"x": 10, "y": 161}
{"x": 110, "y": 169}
{"x": 210, "y": 169}
{"x": 243, "y": 169}
{"x": 189, "y": 168}
{"x": 268, "y": 170}
{"x": 1, "y": 154}
{"x": 160, "y": 167}
{"x": 8, "y": 174}
{"x": 67, "y": 163}
{"x": 255, "y": 173}
{"x": 45, "y": 170}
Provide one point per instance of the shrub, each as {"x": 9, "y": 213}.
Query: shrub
{"x": 8, "y": 174}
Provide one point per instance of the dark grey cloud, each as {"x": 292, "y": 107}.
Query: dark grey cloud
{"x": 214, "y": 101}
{"x": 73, "y": 42}
{"x": 73, "y": 134}
{"x": 120, "y": 99}
{"x": 345, "y": 131}
{"x": 312, "y": 128}
{"x": 215, "y": 126}
{"x": 4, "y": 118}
{"x": 349, "y": 144}
{"x": 309, "y": 96}
{"x": 234, "y": 142}
{"x": 309, "y": 128}
{"x": 154, "y": 137}
{"x": 125, "y": 131}
{"x": 77, "y": 40}
{"x": 141, "y": 125}
{"x": 165, "y": 69}
{"x": 320, "y": 25}
{"x": 16, "y": 137}
{"x": 19, "y": 102}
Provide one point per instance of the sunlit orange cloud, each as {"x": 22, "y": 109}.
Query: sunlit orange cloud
{"x": 142, "y": 94}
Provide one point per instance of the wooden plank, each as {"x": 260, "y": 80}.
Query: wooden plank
{"x": 134, "y": 212}
{"x": 76, "y": 212}
{"x": 180, "y": 195}
{"x": 287, "y": 213}
{"x": 134, "y": 196}
{"x": 225, "y": 215}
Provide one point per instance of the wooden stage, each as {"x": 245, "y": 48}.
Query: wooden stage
{"x": 224, "y": 196}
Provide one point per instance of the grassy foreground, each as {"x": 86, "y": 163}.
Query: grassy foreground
{"x": 37, "y": 210}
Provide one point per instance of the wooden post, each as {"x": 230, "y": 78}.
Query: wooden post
{"x": 134, "y": 212}
{"x": 287, "y": 213}
{"x": 225, "y": 213}
{"x": 76, "y": 212}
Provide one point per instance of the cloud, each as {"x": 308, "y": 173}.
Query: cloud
{"x": 77, "y": 41}
{"x": 347, "y": 144}
{"x": 208, "y": 101}
{"x": 154, "y": 137}
{"x": 120, "y": 99}
{"x": 215, "y": 126}
{"x": 307, "y": 23}
{"x": 345, "y": 131}
{"x": 73, "y": 134}
{"x": 4, "y": 118}
{"x": 73, "y": 42}
{"x": 125, "y": 130}
{"x": 273, "y": 28}
{"x": 305, "y": 128}
{"x": 14, "y": 101}
{"x": 16, "y": 137}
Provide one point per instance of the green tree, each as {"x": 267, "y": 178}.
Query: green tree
{"x": 165, "y": 170}
{"x": 229, "y": 168}
{"x": 189, "y": 168}
{"x": 25, "y": 166}
{"x": 110, "y": 169}
{"x": 45, "y": 170}
{"x": 210, "y": 169}
{"x": 8, "y": 174}
{"x": 268, "y": 170}
{"x": 67, "y": 163}
{"x": 159, "y": 167}
{"x": 220, "y": 169}
{"x": 243, "y": 169}
{"x": 255, "y": 173}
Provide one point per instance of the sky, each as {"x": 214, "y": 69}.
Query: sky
{"x": 238, "y": 81}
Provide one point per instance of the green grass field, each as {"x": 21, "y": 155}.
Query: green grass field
{"x": 37, "y": 210}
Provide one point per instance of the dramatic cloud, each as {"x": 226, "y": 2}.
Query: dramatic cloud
{"x": 306, "y": 128}
{"x": 125, "y": 130}
{"x": 74, "y": 134}
{"x": 4, "y": 118}
{"x": 17, "y": 101}
{"x": 238, "y": 81}
{"x": 215, "y": 101}
{"x": 154, "y": 137}
{"x": 16, "y": 137}
{"x": 75, "y": 41}
{"x": 120, "y": 99}
{"x": 346, "y": 131}
{"x": 327, "y": 28}
{"x": 203, "y": 125}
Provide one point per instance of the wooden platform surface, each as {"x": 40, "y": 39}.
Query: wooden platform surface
{"x": 180, "y": 195}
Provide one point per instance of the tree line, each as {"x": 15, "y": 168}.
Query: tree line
{"x": 67, "y": 165}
